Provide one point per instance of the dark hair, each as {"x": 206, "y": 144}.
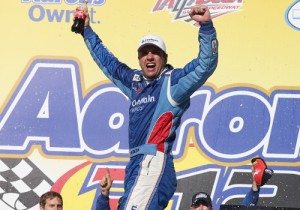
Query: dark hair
{"x": 119, "y": 203}
{"x": 50, "y": 195}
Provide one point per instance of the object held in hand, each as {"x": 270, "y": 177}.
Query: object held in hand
{"x": 261, "y": 172}
{"x": 79, "y": 19}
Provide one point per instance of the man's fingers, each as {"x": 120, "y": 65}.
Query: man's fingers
{"x": 107, "y": 171}
{"x": 103, "y": 181}
{"x": 102, "y": 184}
{"x": 192, "y": 11}
{"x": 201, "y": 9}
{"x": 108, "y": 175}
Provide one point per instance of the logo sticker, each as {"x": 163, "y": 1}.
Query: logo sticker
{"x": 214, "y": 46}
{"x": 181, "y": 8}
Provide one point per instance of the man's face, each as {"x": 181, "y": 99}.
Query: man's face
{"x": 201, "y": 207}
{"x": 52, "y": 204}
{"x": 152, "y": 61}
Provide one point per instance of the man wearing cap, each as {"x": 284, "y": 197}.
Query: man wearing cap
{"x": 159, "y": 95}
{"x": 201, "y": 201}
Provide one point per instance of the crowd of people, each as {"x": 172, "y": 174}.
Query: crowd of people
{"x": 201, "y": 200}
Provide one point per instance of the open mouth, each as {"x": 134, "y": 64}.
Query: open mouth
{"x": 150, "y": 65}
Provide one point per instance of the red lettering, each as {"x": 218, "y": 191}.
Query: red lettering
{"x": 161, "y": 4}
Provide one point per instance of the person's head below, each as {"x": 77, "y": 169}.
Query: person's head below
{"x": 51, "y": 201}
{"x": 152, "y": 55}
{"x": 201, "y": 201}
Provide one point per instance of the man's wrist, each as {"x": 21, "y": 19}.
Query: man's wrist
{"x": 105, "y": 193}
{"x": 207, "y": 27}
{"x": 87, "y": 31}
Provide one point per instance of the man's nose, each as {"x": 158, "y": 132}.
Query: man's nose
{"x": 150, "y": 55}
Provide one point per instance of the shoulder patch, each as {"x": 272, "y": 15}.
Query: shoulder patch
{"x": 136, "y": 78}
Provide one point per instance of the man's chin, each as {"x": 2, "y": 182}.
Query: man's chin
{"x": 150, "y": 76}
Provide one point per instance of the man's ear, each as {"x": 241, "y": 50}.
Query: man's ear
{"x": 166, "y": 58}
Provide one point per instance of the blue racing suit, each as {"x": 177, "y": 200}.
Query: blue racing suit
{"x": 251, "y": 198}
{"x": 102, "y": 202}
{"x": 154, "y": 114}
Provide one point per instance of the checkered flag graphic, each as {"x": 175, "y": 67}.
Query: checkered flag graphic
{"x": 21, "y": 184}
